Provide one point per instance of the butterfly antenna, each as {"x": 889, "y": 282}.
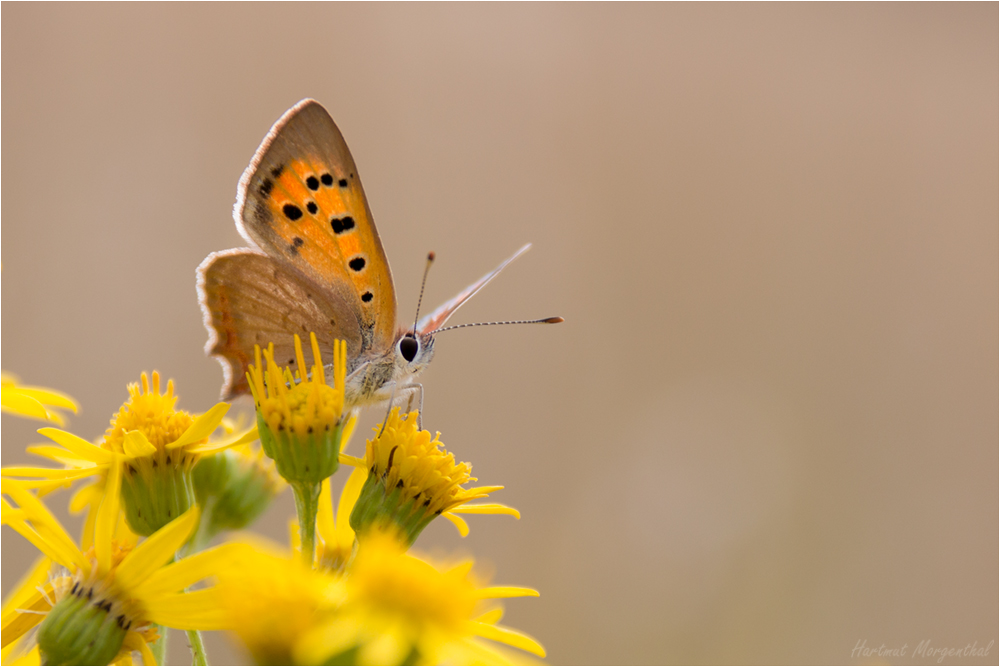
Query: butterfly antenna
{"x": 547, "y": 320}
{"x": 430, "y": 260}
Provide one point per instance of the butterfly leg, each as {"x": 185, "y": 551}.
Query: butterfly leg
{"x": 388, "y": 410}
{"x": 411, "y": 389}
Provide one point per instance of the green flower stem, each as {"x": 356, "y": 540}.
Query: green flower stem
{"x": 159, "y": 647}
{"x": 306, "y": 505}
{"x": 198, "y": 656}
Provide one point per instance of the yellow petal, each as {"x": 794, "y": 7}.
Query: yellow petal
{"x": 198, "y": 610}
{"x": 136, "y": 445}
{"x": 53, "y": 551}
{"x": 324, "y": 512}
{"x": 202, "y": 426}
{"x": 85, "y": 496}
{"x": 25, "y": 589}
{"x": 48, "y": 473}
{"x": 136, "y": 642}
{"x": 16, "y": 403}
{"x": 156, "y": 551}
{"x": 59, "y": 455}
{"x": 77, "y": 445}
{"x": 506, "y": 592}
{"x": 56, "y": 399}
{"x": 460, "y": 524}
{"x": 499, "y": 633}
{"x": 294, "y": 538}
{"x": 45, "y": 529}
{"x": 209, "y": 448}
{"x": 486, "y": 508}
{"x": 17, "y": 623}
{"x": 462, "y": 568}
{"x": 212, "y": 447}
{"x": 247, "y": 437}
{"x": 353, "y": 461}
{"x": 483, "y": 490}
{"x": 187, "y": 571}
{"x": 348, "y": 498}
{"x": 107, "y": 518}
{"x": 492, "y": 617}
{"x": 345, "y": 435}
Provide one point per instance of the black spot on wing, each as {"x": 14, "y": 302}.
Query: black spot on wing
{"x": 367, "y": 296}
{"x": 276, "y": 172}
{"x": 357, "y": 264}
{"x": 265, "y": 187}
{"x": 312, "y": 183}
{"x": 327, "y": 179}
{"x": 342, "y": 182}
{"x": 292, "y": 212}
{"x": 311, "y": 206}
{"x": 341, "y": 225}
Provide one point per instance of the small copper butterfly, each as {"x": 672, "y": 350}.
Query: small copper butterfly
{"x": 315, "y": 265}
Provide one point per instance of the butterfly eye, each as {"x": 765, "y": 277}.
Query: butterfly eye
{"x": 408, "y": 347}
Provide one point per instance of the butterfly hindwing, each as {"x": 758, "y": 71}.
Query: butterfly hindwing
{"x": 301, "y": 201}
{"x": 250, "y": 299}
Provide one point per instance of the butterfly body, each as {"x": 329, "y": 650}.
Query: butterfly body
{"x": 374, "y": 380}
{"x": 315, "y": 265}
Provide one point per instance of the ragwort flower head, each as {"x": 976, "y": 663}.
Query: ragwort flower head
{"x": 101, "y": 606}
{"x": 412, "y": 479}
{"x": 270, "y": 600}
{"x": 300, "y": 417}
{"x": 401, "y": 609}
{"x": 154, "y": 444}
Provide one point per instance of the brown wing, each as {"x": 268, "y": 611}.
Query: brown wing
{"x": 248, "y": 298}
{"x": 301, "y": 201}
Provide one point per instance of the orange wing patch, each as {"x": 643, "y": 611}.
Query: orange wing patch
{"x": 301, "y": 202}
{"x": 319, "y": 213}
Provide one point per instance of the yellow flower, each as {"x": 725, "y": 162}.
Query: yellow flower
{"x": 34, "y": 402}
{"x": 156, "y": 446}
{"x": 99, "y": 609}
{"x": 401, "y": 609}
{"x": 301, "y": 423}
{"x": 300, "y": 416}
{"x": 270, "y": 600}
{"x": 412, "y": 479}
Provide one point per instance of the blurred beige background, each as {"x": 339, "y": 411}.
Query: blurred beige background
{"x": 768, "y": 428}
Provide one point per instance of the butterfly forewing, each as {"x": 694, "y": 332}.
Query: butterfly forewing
{"x": 301, "y": 201}
{"x": 250, "y": 299}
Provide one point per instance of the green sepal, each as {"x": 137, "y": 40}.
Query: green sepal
{"x": 152, "y": 496}
{"x": 380, "y": 508}
{"x": 231, "y": 492}
{"x": 81, "y": 630}
{"x": 310, "y": 458}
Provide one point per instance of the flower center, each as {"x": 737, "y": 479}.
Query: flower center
{"x": 302, "y": 403}
{"x": 151, "y": 413}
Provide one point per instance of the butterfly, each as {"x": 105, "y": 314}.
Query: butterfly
{"x": 315, "y": 264}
